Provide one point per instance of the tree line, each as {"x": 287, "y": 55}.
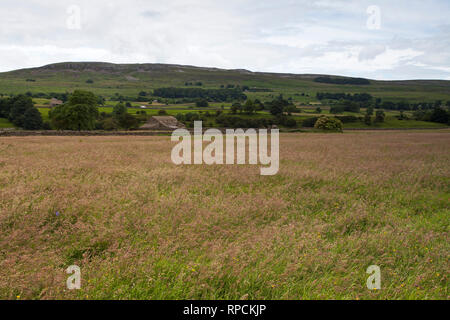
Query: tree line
{"x": 20, "y": 110}
{"x": 353, "y": 81}
{"x": 217, "y": 95}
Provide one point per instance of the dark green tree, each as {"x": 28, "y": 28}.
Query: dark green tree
{"x": 202, "y": 103}
{"x": 127, "y": 121}
{"x": 236, "y": 107}
{"x": 277, "y": 107}
{"x": 379, "y": 116}
{"x": 79, "y": 113}
{"x": 83, "y": 97}
{"x": 249, "y": 107}
{"x": 5, "y": 107}
{"x": 119, "y": 109}
{"x": 32, "y": 119}
{"x": 290, "y": 109}
{"x": 19, "y": 105}
{"x": 439, "y": 115}
{"x": 368, "y": 119}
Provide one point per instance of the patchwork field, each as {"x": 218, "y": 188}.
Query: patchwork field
{"x": 140, "y": 227}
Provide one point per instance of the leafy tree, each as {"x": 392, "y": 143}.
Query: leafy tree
{"x": 127, "y": 121}
{"x": 328, "y": 124}
{"x": 290, "y": 109}
{"x": 439, "y": 115}
{"x": 202, "y": 103}
{"x": 19, "y": 105}
{"x": 109, "y": 124}
{"x": 368, "y": 119}
{"x": 101, "y": 101}
{"x": 74, "y": 117}
{"x": 119, "y": 109}
{"x": 319, "y": 110}
{"x": 403, "y": 116}
{"x": 32, "y": 119}
{"x": 379, "y": 116}
{"x": 5, "y": 107}
{"x": 83, "y": 97}
{"x": 79, "y": 113}
{"x": 290, "y": 122}
{"x": 370, "y": 111}
{"x": 259, "y": 106}
{"x": 277, "y": 107}
{"x": 249, "y": 107}
{"x": 236, "y": 107}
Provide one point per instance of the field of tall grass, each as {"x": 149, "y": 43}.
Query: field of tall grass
{"x": 140, "y": 227}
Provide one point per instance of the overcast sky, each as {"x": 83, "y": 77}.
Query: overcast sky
{"x": 378, "y": 39}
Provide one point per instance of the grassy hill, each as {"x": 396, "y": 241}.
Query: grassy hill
{"x": 130, "y": 79}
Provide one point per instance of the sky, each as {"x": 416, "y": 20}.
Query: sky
{"x": 376, "y": 39}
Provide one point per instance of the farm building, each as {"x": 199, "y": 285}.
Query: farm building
{"x": 55, "y": 102}
{"x": 162, "y": 123}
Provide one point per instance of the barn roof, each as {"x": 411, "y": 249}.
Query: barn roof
{"x": 162, "y": 122}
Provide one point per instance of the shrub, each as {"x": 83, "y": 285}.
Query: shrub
{"x": 109, "y": 124}
{"x": 328, "y": 124}
{"x": 291, "y": 123}
{"x": 202, "y": 103}
{"x": 309, "y": 122}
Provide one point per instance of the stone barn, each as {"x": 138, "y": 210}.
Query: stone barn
{"x": 162, "y": 123}
{"x": 55, "y": 102}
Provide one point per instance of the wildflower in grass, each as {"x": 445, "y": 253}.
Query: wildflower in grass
{"x": 57, "y": 213}
{"x": 18, "y": 297}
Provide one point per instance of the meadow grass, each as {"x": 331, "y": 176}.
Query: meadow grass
{"x": 140, "y": 227}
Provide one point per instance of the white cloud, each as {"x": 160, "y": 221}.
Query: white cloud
{"x": 320, "y": 36}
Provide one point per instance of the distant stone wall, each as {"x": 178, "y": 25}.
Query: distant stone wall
{"x": 56, "y": 133}
{"x": 20, "y": 133}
